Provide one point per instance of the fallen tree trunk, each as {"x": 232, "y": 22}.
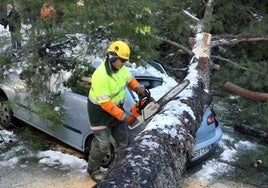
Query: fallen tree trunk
{"x": 153, "y": 160}
{"x": 158, "y": 155}
{"x": 245, "y": 129}
{"x": 230, "y": 87}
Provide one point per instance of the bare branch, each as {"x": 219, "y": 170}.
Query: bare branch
{"x": 225, "y": 42}
{"x": 189, "y": 15}
{"x": 235, "y": 64}
{"x": 228, "y": 61}
{"x": 189, "y": 52}
{"x": 241, "y": 127}
{"x": 232, "y": 88}
{"x": 209, "y": 9}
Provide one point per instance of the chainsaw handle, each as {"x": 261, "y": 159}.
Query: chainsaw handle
{"x": 147, "y": 94}
{"x": 144, "y": 100}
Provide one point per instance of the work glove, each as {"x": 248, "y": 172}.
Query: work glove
{"x": 129, "y": 120}
{"x": 140, "y": 90}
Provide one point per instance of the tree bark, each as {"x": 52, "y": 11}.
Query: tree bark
{"x": 245, "y": 129}
{"x": 232, "y": 88}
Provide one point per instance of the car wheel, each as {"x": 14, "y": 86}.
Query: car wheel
{"x": 5, "y": 113}
{"x": 107, "y": 159}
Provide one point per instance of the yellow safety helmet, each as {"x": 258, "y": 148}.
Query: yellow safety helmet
{"x": 120, "y": 48}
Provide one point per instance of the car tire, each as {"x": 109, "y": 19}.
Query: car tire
{"x": 108, "y": 159}
{"x": 6, "y": 114}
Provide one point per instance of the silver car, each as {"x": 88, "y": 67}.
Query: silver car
{"x": 75, "y": 130}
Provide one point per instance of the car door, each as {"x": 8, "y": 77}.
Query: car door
{"x": 22, "y": 107}
{"x": 76, "y": 122}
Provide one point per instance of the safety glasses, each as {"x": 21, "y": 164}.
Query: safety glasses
{"x": 122, "y": 60}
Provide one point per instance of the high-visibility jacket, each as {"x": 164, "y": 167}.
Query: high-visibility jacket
{"x": 109, "y": 89}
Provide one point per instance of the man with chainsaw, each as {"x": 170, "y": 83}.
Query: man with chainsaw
{"x": 105, "y": 105}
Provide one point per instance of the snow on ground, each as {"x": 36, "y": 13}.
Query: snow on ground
{"x": 215, "y": 167}
{"x": 55, "y": 159}
{"x": 64, "y": 161}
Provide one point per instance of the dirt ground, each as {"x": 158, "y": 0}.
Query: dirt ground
{"x": 35, "y": 175}
{"x": 44, "y": 177}
{"x": 194, "y": 183}
{"x": 82, "y": 182}
{"x": 74, "y": 182}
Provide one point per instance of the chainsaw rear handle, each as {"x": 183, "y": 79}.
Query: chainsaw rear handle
{"x": 147, "y": 94}
{"x": 144, "y": 100}
{"x": 141, "y": 104}
{"x": 153, "y": 107}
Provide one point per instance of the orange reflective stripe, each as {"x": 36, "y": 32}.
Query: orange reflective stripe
{"x": 96, "y": 102}
{"x": 112, "y": 109}
{"x": 133, "y": 84}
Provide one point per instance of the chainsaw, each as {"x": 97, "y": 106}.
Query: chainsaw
{"x": 147, "y": 107}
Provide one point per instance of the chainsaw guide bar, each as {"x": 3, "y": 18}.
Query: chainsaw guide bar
{"x": 154, "y": 107}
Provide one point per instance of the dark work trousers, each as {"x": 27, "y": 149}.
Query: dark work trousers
{"x": 101, "y": 144}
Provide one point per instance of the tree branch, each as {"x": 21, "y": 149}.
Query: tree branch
{"x": 189, "y": 15}
{"x": 241, "y": 127}
{"x": 229, "y": 61}
{"x": 232, "y": 88}
{"x": 209, "y": 9}
{"x": 230, "y": 42}
{"x": 235, "y": 64}
{"x": 164, "y": 39}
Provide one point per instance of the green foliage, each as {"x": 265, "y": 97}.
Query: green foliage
{"x": 76, "y": 84}
{"x": 5, "y": 64}
{"x": 249, "y": 169}
{"x": 253, "y": 112}
{"x": 52, "y": 112}
{"x": 120, "y": 21}
{"x": 265, "y": 117}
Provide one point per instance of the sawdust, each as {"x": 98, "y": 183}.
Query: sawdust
{"x": 74, "y": 182}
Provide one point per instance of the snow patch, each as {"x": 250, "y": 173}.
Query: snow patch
{"x": 65, "y": 161}
{"x": 210, "y": 169}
